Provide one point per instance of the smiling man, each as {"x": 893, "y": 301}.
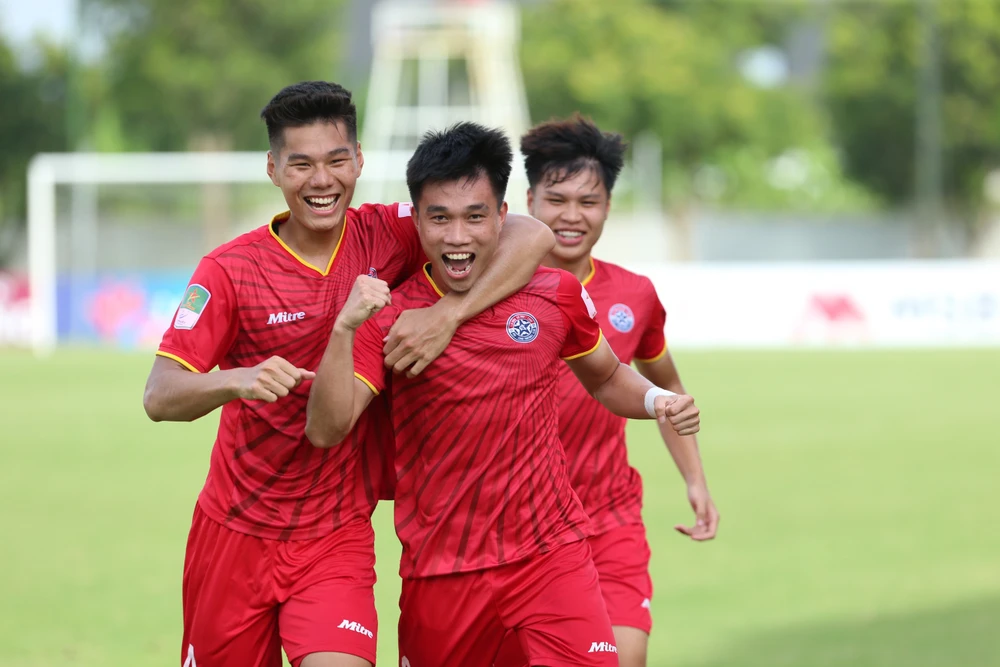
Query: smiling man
{"x": 572, "y": 167}
{"x": 281, "y": 548}
{"x": 494, "y": 538}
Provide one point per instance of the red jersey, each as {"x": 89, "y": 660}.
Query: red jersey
{"x": 481, "y": 478}
{"x": 632, "y": 317}
{"x": 254, "y": 298}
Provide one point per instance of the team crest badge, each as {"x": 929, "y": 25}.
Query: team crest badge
{"x": 372, "y": 273}
{"x": 522, "y": 327}
{"x": 621, "y": 317}
{"x": 192, "y": 306}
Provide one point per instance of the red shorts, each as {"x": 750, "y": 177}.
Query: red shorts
{"x": 621, "y": 556}
{"x": 551, "y": 604}
{"x": 246, "y": 597}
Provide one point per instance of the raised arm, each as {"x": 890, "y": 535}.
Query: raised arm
{"x": 419, "y": 336}
{"x": 337, "y": 397}
{"x": 684, "y": 451}
{"x": 628, "y": 394}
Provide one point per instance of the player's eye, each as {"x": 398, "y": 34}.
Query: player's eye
{"x": 439, "y": 218}
{"x": 476, "y": 217}
{"x": 555, "y": 202}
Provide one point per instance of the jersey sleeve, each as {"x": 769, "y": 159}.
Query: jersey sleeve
{"x": 369, "y": 362}
{"x": 653, "y": 344}
{"x": 398, "y": 250}
{"x": 205, "y": 324}
{"x": 583, "y": 333}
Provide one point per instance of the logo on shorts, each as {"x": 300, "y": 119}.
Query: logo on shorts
{"x": 190, "y": 657}
{"x": 645, "y": 604}
{"x": 522, "y": 327}
{"x": 621, "y": 317}
{"x": 192, "y": 305}
{"x": 405, "y": 662}
{"x": 372, "y": 273}
{"x": 354, "y": 626}
{"x": 602, "y": 647}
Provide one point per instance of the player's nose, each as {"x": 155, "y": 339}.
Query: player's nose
{"x": 322, "y": 178}
{"x": 572, "y": 213}
{"x": 456, "y": 234}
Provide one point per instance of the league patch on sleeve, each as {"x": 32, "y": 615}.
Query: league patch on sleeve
{"x": 404, "y": 210}
{"x": 591, "y": 308}
{"x": 192, "y": 306}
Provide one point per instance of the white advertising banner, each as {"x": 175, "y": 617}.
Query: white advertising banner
{"x": 870, "y": 304}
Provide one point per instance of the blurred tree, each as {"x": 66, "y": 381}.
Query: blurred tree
{"x": 195, "y": 74}
{"x": 33, "y": 120}
{"x": 872, "y": 91}
{"x": 679, "y": 69}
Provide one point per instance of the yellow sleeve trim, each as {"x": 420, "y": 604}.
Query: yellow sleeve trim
{"x": 161, "y": 353}
{"x": 600, "y": 337}
{"x": 662, "y": 354}
{"x": 365, "y": 380}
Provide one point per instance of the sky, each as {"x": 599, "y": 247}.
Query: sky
{"x": 20, "y": 20}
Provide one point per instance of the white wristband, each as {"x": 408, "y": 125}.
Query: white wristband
{"x": 650, "y": 401}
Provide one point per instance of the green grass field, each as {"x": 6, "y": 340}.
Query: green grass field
{"x": 860, "y": 496}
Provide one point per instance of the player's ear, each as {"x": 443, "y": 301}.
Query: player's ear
{"x": 360, "y": 156}
{"x": 607, "y": 207}
{"x": 503, "y": 214}
{"x": 531, "y": 201}
{"x": 271, "y": 167}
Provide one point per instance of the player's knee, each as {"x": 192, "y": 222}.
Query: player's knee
{"x": 632, "y": 643}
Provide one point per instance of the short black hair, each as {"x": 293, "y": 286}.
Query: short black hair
{"x": 561, "y": 148}
{"x": 306, "y": 103}
{"x": 463, "y": 151}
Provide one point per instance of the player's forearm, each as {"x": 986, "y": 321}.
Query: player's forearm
{"x": 624, "y": 393}
{"x": 330, "y": 411}
{"x": 182, "y": 396}
{"x": 524, "y": 243}
{"x": 683, "y": 448}
{"x": 684, "y": 451}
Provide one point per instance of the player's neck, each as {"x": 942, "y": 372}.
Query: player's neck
{"x": 579, "y": 268}
{"x": 314, "y": 247}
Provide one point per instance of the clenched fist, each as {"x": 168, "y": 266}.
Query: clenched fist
{"x": 367, "y": 297}
{"x": 680, "y": 411}
{"x": 270, "y": 380}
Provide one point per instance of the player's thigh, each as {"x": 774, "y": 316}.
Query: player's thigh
{"x": 230, "y": 619}
{"x": 511, "y": 654}
{"x": 328, "y": 617}
{"x": 621, "y": 557}
{"x": 448, "y": 621}
{"x": 632, "y": 644}
{"x": 554, "y": 605}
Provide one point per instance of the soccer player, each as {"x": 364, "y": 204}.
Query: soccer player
{"x": 494, "y": 538}
{"x": 281, "y": 547}
{"x": 572, "y": 167}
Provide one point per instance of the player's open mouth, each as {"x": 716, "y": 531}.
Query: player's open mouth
{"x": 322, "y": 205}
{"x": 458, "y": 264}
{"x": 568, "y": 237}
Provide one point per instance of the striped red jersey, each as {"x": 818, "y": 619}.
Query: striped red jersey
{"x": 632, "y": 318}
{"x": 254, "y": 298}
{"x": 481, "y": 477}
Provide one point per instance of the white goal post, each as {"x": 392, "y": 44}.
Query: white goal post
{"x": 48, "y": 170}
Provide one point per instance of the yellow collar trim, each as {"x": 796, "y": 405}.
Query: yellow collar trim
{"x": 593, "y": 270}
{"x": 282, "y": 217}
{"x": 427, "y": 274}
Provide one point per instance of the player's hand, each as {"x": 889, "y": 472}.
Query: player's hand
{"x": 417, "y": 338}
{"x": 270, "y": 380}
{"x": 367, "y": 297}
{"x": 680, "y": 411}
{"x": 706, "y": 517}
